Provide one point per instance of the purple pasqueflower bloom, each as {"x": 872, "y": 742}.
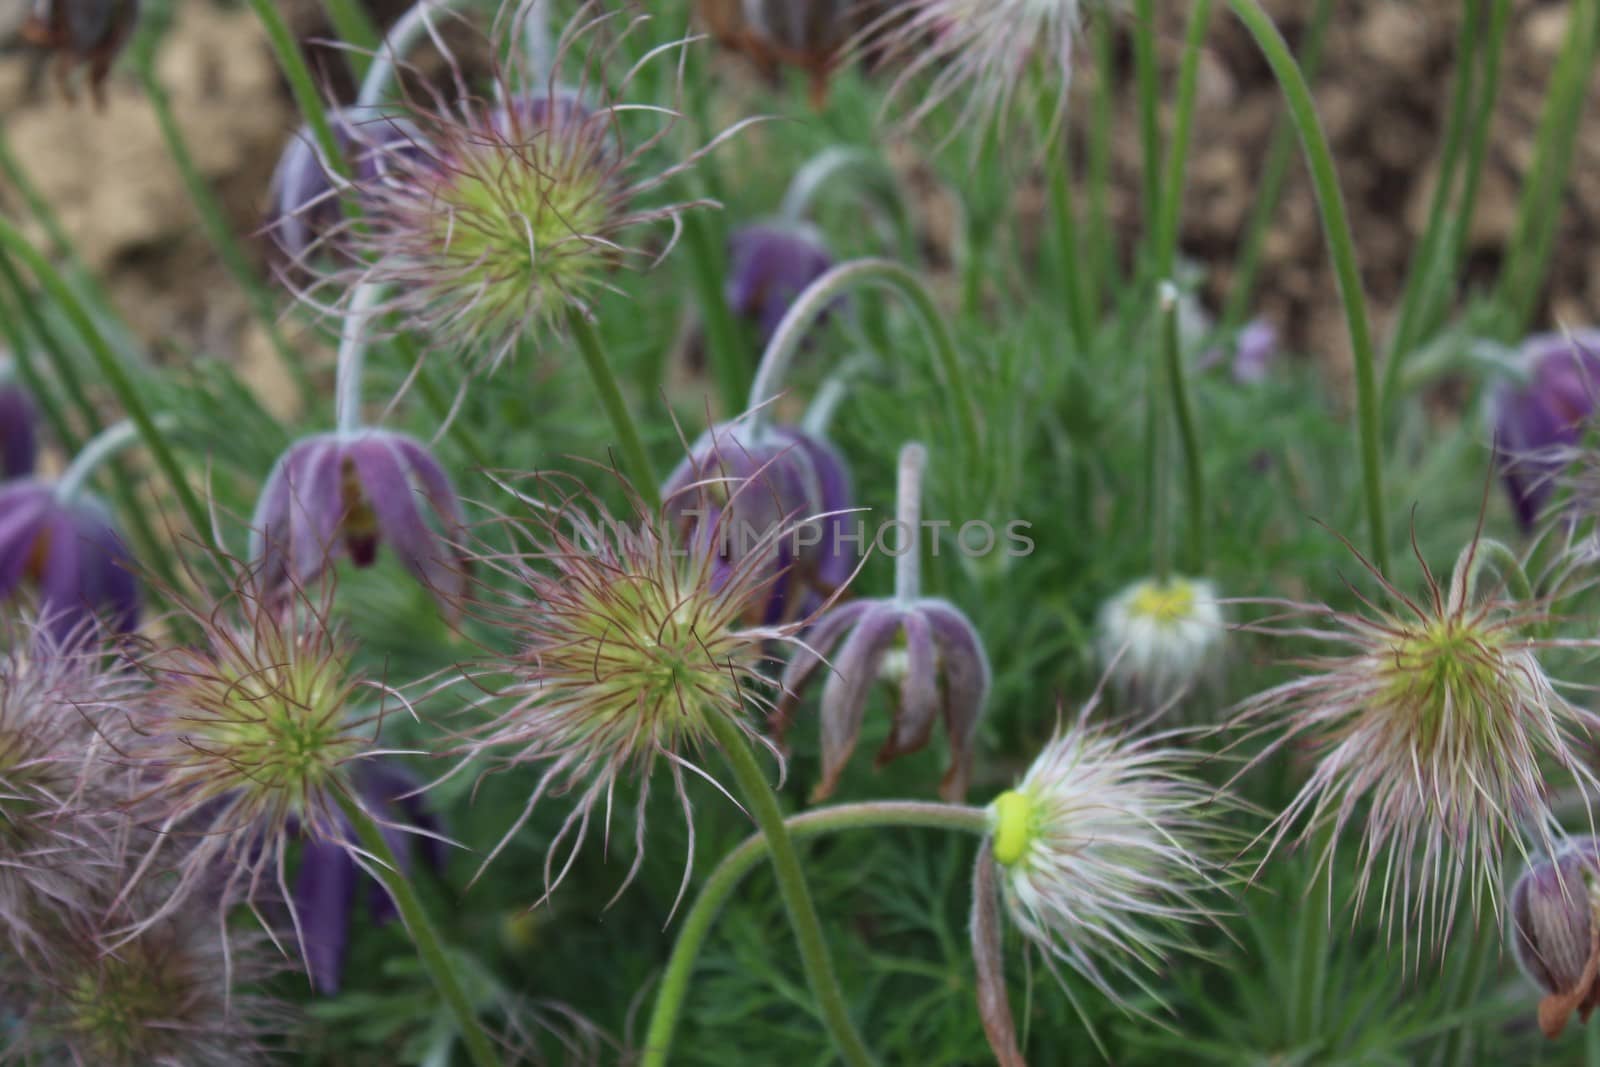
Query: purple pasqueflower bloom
{"x": 926, "y": 648}
{"x": 325, "y": 887}
{"x": 305, "y": 209}
{"x": 1554, "y": 934}
{"x": 19, "y": 445}
{"x": 769, "y": 266}
{"x": 71, "y": 551}
{"x": 350, "y": 492}
{"x": 1537, "y": 421}
{"x": 771, "y": 490}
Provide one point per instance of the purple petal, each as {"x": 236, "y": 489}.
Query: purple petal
{"x": 844, "y": 697}
{"x": 19, "y": 446}
{"x": 808, "y": 655}
{"x": 387, "y": 488}
{"x": 324, "y": 898}
{"x": 315, "y": 506}
{"x": 769, "y": 267}
{"x": 919, "y": 692}
{"x": 24, "y": 507}
{"x": 965, "y": 671}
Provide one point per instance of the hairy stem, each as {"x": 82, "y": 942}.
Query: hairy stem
{"x": 816, "y": 299}
{"x": 738, "y": 863}
{"x": 814, "y": 957}
{"x": 908, "y": 513}
{"x": 1183, "y": 412}
{"x": 1341, "y": 250}
{"x": 103, "y": 447}
{"x": 634, "y": 456}
{"x": 423, "y": 933}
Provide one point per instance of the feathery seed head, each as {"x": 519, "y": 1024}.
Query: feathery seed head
{"x": 628, "y": 644}
{"x": 1160, "y": 640}
{"x": 1104, "y": 851}
{"x": 1434, "y": 727}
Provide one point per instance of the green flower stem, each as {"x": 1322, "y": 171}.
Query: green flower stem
{"x": 111, "y": 369}
{"x": 1459, "y": 1048}
{"x": 820, "y": 295}
{"x": 1178, "y": 388}
{"x": 1068, "y": 243}
{"x": 1172, "y": 183}
{"x": 27, "y": 373}
{"x": 301, "y": 85}
{"x": 423, "y": 934}
{"x": 742, "y": 860}
{"x": 634, "y": 457}
{"x": 1147, "y": 81}
{"x": 354, "y": 27}
{"x": 1341, "y": 248}
{"x": 1424, "y": 260}
{"x": 1102, "y": 235}
{"x": 1540, "y": 209}
{"x": 908, "y": 513}
{"x": 726, "y": 345}
{"x": 818, "y": 965}
{"x": 1158, "y": 451}
{"x": 105, "y": 446}
{"x": 1269, "y": 187}
{"x": 215, "y": 222}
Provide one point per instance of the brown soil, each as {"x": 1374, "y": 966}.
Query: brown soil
{"x": 1383, "y": 95}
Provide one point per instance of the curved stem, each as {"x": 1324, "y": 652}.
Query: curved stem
{"x": 908, "y": 514}
{"x": 352, "y": 357}
{"x": 866, "y": 170}
{"x": 423, "y": 934}
{"x": 738, "y": 863}
{"x": 1172, "y": 181}
{"x": 816, "y": 299}
{"x": 1178, "y": 389}
{"x": 988, "y": 957}
{"x": 634, "y": 457}
{"x": 302, "y": 85}
{"x": 402, "y": 37}
{"x": 110, "y": 367}
{"x": 102, "y": 447}
{"x": 1341, "y": 250}
{"x": 818, "y": 965}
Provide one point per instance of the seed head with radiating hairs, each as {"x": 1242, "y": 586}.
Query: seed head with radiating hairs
{"x": 1106, "y": 850}
{"x": 628, "y": 646}
{"x": 248, "y": 738}
{"x": 1435, "y": 729}
{"x": 511, "y": 213}
{"x": 1160, "y": 639}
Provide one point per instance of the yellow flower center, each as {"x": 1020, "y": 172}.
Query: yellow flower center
{"x": 1012, "y": 815}
{"x": 1164, "y": 604}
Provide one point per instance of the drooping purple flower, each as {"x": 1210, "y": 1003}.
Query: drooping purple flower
{"x": 305, "y": 206}
{"x": 71, "y": 552}
{"x": 1255, "y": 352}
{"x": 926, "y": 648}
{"x": 348, "y": 493}
{"x": 1554, "y": 933}
{"x": 769, "y": 266}
{"x": 776, "y": 490}
{"x": 19, "y": 446}
{"x": 325, "y": 888}
{"x": 1538, "y": 420}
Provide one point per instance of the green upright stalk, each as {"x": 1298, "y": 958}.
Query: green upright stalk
{"x": 728, "y": 351}
{"x": 1269, "y": 187}
{"x": 110, "y": 367}
{"x": 302, "y": 86}
{"x": 742, "y": 860}
{"x": 1102, "y": 236}
{"x": 1147, "y": 78}
{"x": 1540, "y": 209}
{"x": 634, "y": 456}
{"x": 354, "y": 27}
{"x": 1067, "y": 245}
{"x": 217, "y": 228}
{"x": 1341, "y": 250}
{"x": 423, "y": 934}
{"x": 1194, "y": 470}
{"x": 1172, "y": 182}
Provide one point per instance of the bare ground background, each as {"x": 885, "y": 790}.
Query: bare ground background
{"x": 1383, "y": 92}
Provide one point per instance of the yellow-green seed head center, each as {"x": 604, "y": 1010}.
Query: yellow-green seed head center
{"x": 1163, "y": 604}
{"x": 1012, "y": 817}
{"x": 1446, "y": 665}
{"x": 112, "y": 1012}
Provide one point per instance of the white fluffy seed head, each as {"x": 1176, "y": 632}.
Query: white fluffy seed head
{"x": 1106, "y": 850}
{"x": 1159, "y": 640}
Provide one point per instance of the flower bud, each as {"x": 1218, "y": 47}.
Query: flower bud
{"x": 1536, "y": 420}
{"x": 1554, "y": 933}
{"x": 770, "y": 264}
{"x": 82, "y": 31}
{"x": 19, "y": 447}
